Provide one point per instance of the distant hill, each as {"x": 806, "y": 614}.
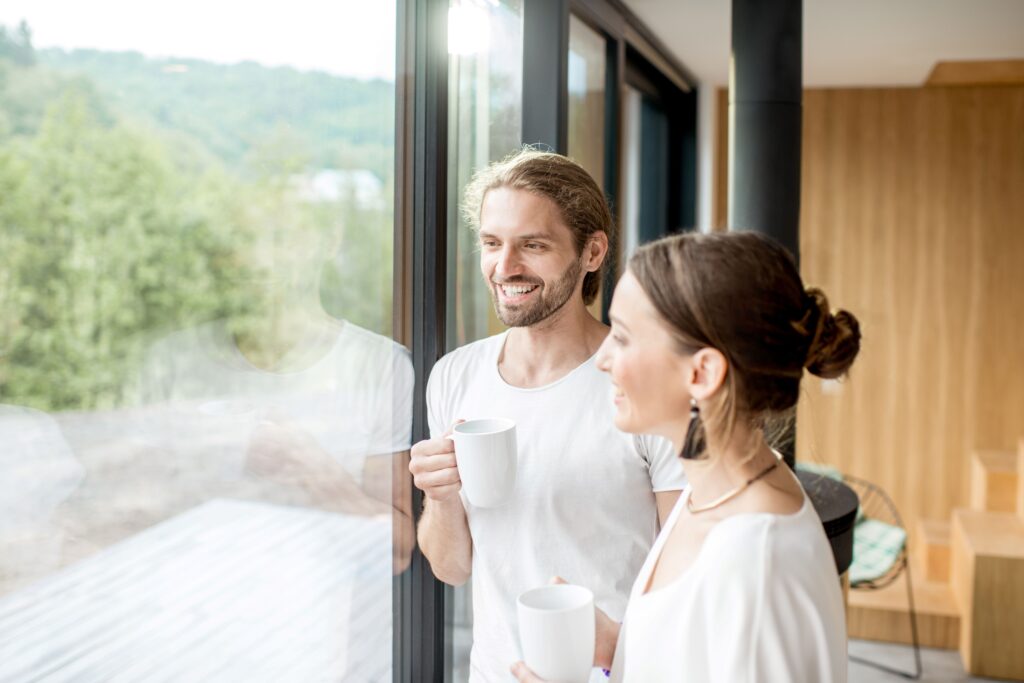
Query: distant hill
{"x": 331, "y": 121}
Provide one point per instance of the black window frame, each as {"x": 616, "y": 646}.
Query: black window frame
{"x": 422, "y": 647}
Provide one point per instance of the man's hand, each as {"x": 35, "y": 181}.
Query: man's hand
{"x": 280, "y": 451}
{"x": 433, "y": 468}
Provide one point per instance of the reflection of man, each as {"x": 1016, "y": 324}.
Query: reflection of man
{"x": 285, "y": 402}
{"x": 326, "y": 429}
{"x": 588, "y": 498}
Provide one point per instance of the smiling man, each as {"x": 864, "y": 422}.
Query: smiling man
{"x": 544, "y": 230}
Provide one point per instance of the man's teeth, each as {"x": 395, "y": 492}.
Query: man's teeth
{"x": 515, "y": 291}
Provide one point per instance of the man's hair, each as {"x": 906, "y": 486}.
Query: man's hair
{"x": 581, "y": 203}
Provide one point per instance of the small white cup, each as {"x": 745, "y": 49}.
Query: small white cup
{"x": 556, "y": 630}
{"x": 486, "y": 453}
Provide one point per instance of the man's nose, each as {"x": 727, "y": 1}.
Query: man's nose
{"x": 508, "y": 262}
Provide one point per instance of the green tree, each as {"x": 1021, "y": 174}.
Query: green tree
{"x": 105, "y": 241}
{"x": 16, "y": 45}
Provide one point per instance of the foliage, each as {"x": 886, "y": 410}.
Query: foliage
{"x": 129, "y": 203}
{"x": 345, "y": 122}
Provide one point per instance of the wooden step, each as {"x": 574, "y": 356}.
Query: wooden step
{"x": 882, "y": 614}
{"x": 932, "y": 550}
{"x": 987, "y": 577}
{"x": 994, "y": 481}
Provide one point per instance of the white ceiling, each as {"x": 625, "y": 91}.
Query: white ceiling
{"x": 849, "y": 42}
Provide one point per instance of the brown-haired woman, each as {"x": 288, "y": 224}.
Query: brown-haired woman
{"x": 710, "y": 336}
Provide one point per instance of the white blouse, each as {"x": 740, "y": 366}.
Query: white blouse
{"x": 761, "y": 602}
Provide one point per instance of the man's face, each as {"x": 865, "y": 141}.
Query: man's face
{"x": 527, "y": 257}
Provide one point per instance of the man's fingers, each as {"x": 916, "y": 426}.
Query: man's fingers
{"x": 433, "y": 447}
{"x": 451, "y": 429}
{"x": 446, "y": 477}
{"x": 432, "y": 463}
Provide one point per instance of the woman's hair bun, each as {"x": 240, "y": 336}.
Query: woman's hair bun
{"x": 835, "y": 341}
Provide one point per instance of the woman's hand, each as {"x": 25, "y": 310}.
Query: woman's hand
{"x": 606, "y": 635}
{"x": 523, "y": 673}
{"x": 606, "y": 638}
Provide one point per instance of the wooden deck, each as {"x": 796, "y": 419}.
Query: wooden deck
{"x": 228, "y": 591}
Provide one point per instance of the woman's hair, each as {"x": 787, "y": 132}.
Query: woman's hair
{"x": 580, "y": 201}
{"x": 741, "y": 293}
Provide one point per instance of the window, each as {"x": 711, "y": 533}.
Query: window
{"x": 588, "y": 102}
{"x": 485, "y": 112}
{"x": 587, "y": 97}
{"x": 202, "y": 406}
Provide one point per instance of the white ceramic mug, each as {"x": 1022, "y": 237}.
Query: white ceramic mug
{"x": 486, "y": 454}
{"x": 556, "y": 630}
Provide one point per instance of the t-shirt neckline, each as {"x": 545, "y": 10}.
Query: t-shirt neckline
{"x": 500, "y": 346}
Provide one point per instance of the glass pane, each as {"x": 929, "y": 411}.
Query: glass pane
{"x": 587, "y": 67}
{"x": 202, "y": 405}
{"x": 485, "y": 124}
{"x": 629, "y": 202}
{"x": 485, "y": 109}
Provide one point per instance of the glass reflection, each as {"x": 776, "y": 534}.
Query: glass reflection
{"x": 205, "y": 420}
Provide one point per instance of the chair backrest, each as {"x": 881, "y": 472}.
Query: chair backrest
{"x": 880, "y": 539}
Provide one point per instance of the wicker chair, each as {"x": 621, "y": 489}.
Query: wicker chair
{"x": 875, "y": 504}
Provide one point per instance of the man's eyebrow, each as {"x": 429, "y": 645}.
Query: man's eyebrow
{"x": 522, "y": 238}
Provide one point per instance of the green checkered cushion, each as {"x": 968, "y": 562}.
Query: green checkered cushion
{"x": 876, "y": 547}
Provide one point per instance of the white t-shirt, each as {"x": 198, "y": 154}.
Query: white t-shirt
{"x": 761, "y": 602}
{"x": 584, "y": 505}
{"x": 355, "y": 400}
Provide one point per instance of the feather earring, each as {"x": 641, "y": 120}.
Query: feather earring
{"x": 694, "y": 444}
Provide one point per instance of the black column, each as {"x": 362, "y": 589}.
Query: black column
{"x": 765, "y": 116}
{"x": 546, "y": 73}
{"x": 765, "y": 101}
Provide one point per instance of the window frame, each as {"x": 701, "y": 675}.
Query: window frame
{"x": 422, "y": 647}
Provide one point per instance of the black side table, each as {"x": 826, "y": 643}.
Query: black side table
{"x": 836, "y": 504}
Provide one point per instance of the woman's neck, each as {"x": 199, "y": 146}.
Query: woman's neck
{"x": 728, "y": 464}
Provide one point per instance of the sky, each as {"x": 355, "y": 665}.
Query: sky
{"x": 342, "y": 37}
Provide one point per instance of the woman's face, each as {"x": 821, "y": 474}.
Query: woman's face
{"x": 646, "y": 368}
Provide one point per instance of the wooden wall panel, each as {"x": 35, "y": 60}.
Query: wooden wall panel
{"x": 913, "y": 218}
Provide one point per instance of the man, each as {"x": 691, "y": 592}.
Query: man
{"x": 588, "y": 498}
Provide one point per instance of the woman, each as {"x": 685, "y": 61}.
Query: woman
{"x": 710, "y": 336}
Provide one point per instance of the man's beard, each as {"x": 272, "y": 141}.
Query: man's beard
{"x": 549, "y": 302}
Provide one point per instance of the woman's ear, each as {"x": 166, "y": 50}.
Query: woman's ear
{"x": 708, "y": 368}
